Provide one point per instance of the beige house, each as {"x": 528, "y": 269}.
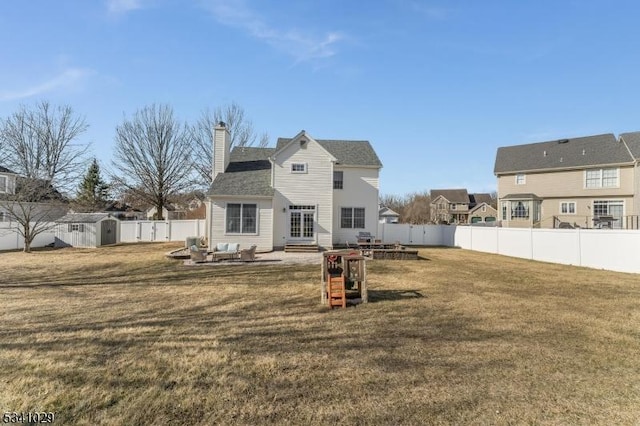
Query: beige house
{"x": 456, "y": 206}
{"x": 482, "y": 213}
{"x": 587, "y": 182}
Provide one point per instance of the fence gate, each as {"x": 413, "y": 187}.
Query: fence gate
{"x": 108, "y": 234}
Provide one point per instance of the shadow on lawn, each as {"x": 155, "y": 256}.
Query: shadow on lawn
{"x": 383, "y": 295}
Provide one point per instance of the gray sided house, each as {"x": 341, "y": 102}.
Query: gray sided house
{"x": 305, "y": 191}
{"x": 587, "y": 182}
{"x": 458, "y": 206}
{"x": 86, "y": 230}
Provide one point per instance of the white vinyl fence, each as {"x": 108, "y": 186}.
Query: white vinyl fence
{"x": 170, "y": 230}
{"x": 10, "y": 239}
{"x": 615, "y": 250}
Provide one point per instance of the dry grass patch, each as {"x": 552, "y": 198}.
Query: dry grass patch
{"x": 122, "y": 335}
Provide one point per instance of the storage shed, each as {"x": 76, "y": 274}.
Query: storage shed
{"x": 86, "y": 230}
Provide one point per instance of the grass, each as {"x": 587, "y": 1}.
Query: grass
{"x": 122, "y": 335}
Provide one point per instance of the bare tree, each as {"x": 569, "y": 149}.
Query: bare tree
{"x": 152, "y": 157}
{"x": 418, "y": 209}
{"x": 240, "y": 129}
{"x": 37, "y": 144}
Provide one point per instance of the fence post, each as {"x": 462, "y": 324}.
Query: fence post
{"x": 579, "y": 248}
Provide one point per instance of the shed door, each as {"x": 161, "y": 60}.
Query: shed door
{"x": 108, "y": 234}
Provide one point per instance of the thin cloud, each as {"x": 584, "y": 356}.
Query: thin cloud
{"x": 302, "y": 46}
{"x": 67, "y": 79}
{"x": 123, "y": 6}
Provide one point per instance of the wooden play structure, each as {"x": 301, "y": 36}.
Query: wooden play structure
{"x": 344, "y": 277}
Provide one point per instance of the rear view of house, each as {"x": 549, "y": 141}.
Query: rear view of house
{"x": 586, "y": 182}
{"x": 305, "y": 191}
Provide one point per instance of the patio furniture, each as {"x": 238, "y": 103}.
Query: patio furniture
{"x": 225, "y": 251}
{"x": 248, "y": 255}
{"x": 197, "y": 254}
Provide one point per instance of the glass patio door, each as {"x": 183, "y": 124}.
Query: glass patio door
{"x": 302, "y": 223}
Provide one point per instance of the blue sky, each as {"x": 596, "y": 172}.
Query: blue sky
{"x": 436, "y": 86}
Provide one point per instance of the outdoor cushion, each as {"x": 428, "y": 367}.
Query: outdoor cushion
{"x": 233, "y": 247}
{"x": 222, "y": 246}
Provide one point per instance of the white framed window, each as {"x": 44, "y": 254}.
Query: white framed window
{"x": 241, "y": 218}
{"x": 520, "y": 209}
{"x": 3, "y": 217}
{"x": 3, "y": 184}
{"x": 352, "y": 217}
{"x": 452, "y": 206}
{"x": 484, "y": 209}
{"x": 338, "y": 180}
{"x": 602, "y": 178}
{"x": 567, "y": 207}
{"x": 520, "y": 179}
{"x": 298, "y": 167}
{"x": 75, "y": 227}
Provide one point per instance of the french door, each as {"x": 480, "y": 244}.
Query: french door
{"x": 302, "y": 223}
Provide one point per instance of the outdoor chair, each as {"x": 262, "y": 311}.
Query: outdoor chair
{"x": 197, "y": 254}
{"x": 248, "y": 255}
{"x": 336, "y": 292}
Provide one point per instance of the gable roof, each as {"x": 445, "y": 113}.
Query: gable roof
{"x": 386, "y": 211}
{"x": 346, "y": 152}
{"x": 479, "y": 205}
{"x": 84, "y": 217}
{"x": 561, "y": 154}
{"x": 248, "y": 174}
{"x": 452, "y": 195}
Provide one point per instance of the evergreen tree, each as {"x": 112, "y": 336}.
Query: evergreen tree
{"x": 93, "y": 192}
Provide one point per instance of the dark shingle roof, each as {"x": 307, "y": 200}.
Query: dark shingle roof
{"x": 5, "y": 170}
{"x": 248, "y": 173}
{"x": 83, "y": 217}
{"x": 522, "y": 196}
{"x": 452, "y": 195}
{"x": 561, "y": 154}
{"x": 479, "y": 198}
{"x": 348, "y": 153}
{"x": 633, "y": 142}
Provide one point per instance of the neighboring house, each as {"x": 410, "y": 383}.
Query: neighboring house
{"x": 22, "y": 198}
{"x": 303, "y": 191}
{"x": 169, "y": 212}
{"x": 386, "y": 215}
{"x": 455, "y": 205}
{"x": 591, "y": 181}
{"x": 7, "y": 187}
{"x": 123, "y": 211}
{"x": 483, "y": 213}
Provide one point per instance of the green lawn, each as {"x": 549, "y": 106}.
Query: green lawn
{"x": 123, "y": 335}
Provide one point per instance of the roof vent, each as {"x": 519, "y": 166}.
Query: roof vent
{"x": 563, "y": 141}
{"x": 544, "y": 153}
{"x": 584, "y": 151}
{"x": 561, "y": 159}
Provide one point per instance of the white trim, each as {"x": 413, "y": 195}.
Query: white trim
{"x": 305, "y": 168}
{"x": 568, "y": 203}
{"x": 601, "y": 178}
{"x": 242, "y": 233}
{"x": 523, "y": 176}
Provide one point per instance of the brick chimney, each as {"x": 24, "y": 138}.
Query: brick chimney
{"x": 221, "y": 144}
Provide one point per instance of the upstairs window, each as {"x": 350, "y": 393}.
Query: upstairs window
{"x": 298, "y": 167}
{"x": 520, "y": 179}
{"x": 338, "y": 180}
{"x": 3, "y": 184}
{"x": 601, "y": 178}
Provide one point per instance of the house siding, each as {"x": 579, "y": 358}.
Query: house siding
{"x": 315, "y": 187}
{"x": 360, "y": 189}
{"x": 564, "y": 184}
{"x": 88, "y": 238}
{"x": 264, "y": 237}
